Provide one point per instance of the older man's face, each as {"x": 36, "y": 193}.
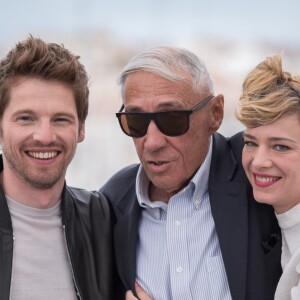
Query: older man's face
{"x": 170, "y": 162}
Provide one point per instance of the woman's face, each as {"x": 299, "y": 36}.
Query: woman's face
{"x": 271, "y": 159}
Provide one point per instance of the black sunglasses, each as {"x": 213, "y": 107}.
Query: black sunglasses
{"x": 170, "y": 123}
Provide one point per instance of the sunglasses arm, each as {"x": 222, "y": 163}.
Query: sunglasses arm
{"x": 122, "y": 107}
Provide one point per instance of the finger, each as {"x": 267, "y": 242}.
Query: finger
{"x": 130, "y": 296}
{"x": 141, "y": 293}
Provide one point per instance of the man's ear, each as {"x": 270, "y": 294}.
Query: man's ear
{"x": 81, "y": 134}
{"x": 217, "y": 113}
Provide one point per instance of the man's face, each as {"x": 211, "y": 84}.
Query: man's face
{"x": 170, "y": 162}
{"x": 39, "y": 132}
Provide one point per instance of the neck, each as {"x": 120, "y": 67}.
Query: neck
{"x": 157, "y": 194}
{"x": 28, "y": 195}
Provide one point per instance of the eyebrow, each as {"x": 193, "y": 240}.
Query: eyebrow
{"x": 32, "y": 112}
{"x": 171, "y": 105}
{"x": 23, "y": 111}
{"x": 271, "y": 139}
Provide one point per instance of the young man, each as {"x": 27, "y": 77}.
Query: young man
{"x": 188, "y": 227}
{"x": 55, "y": 241}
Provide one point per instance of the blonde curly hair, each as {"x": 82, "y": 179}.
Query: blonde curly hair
{"x": 268, "y": 93}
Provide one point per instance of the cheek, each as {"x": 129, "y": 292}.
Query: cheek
{"x": 193, "y": 150}
{"x": 246, "y": 158}
{"x": 138, "y": 147}
{"x": 246, "y": 162}
{"x": 199, "y": 131}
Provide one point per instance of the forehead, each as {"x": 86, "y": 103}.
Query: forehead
{"x": 288, "y": 126}
{"x": 143, "y": 84}
{"x": 31, "y": 92}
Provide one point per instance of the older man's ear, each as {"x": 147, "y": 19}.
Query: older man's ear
{"x": 216, "y": 113}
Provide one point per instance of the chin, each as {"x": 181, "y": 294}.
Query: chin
{"x": 264, "y": 199}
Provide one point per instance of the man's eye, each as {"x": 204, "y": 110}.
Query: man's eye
{"x": 62, "y": 120}
{"x": 25, "y": 118}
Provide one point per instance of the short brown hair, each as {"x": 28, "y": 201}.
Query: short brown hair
{"x": 268, "y": 93}
{"x": 35, "y": 58}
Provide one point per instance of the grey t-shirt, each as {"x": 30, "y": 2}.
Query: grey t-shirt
{"x": 41, "y": 267}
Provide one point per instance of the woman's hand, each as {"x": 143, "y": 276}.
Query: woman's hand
{"x": 142, "y": 295}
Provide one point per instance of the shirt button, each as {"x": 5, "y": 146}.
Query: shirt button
{"x": 197, "y": 202}
{"x": 179, "y": 269}
{"x": 177, "y": 223}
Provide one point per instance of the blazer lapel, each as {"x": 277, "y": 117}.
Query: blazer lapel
{"x": 229, "y": 210}
{"x": 125, "y": 237}
{"x": 228, "y": 200}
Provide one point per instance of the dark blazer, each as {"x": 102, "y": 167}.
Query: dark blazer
{"x": 248, "y": 232}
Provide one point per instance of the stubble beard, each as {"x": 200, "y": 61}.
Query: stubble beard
{"x": 39, "y": 179}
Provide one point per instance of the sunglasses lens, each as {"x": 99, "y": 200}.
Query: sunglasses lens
{"x": 173, "y": 123}
{"x": 134, "y": 125}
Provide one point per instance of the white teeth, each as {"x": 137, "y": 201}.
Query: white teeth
{"x": 43, "y": 155}
{"x": 266, "y": 179}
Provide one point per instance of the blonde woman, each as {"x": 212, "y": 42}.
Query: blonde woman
{"x": 270, "y": 110}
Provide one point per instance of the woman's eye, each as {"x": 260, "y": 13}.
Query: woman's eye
{"x": 249, "y": 144}
{"x": 281, "y": 147}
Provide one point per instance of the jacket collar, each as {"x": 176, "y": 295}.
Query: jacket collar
{"x": 125, "y": 237}
{"x": 67, "y": 206}
{"x": 5, "y": 219}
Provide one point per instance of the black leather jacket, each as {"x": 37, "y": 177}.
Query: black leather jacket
{"x": 87, "y": 223}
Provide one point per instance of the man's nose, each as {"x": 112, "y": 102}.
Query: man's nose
{"x": 154, "y": 138}
{"x": 44, "y": 133}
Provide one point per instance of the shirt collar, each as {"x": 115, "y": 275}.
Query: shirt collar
{"x": 142, "y": 188}
{"x": 200, "y": 179}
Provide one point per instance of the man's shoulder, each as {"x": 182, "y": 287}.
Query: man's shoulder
{"x": 120, "y": 184}
{"x": 234, "y": 144}
{"x": 84, "y": 199}
{"x": 235, "y": 141}
{"x": 122, "y": 178}
{"x": 82, "y": 194}
{"x": 237, "y": 145}
{"x": 227, "y": 157}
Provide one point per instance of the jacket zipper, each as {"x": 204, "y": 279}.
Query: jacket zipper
{"x": 72, "y": 270}
{"x": 12, "y": 265}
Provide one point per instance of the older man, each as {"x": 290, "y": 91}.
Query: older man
{"x": 188, "y": 227}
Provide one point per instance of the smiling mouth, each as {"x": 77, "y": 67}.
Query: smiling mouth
{"x": 42, "y": 155}
{"x": 263, "y": 179}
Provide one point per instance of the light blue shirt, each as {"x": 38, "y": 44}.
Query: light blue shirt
{"x": 178, "y": 252}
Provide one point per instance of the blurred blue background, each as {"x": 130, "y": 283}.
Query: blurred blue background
{"x": 230, "y": 36}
